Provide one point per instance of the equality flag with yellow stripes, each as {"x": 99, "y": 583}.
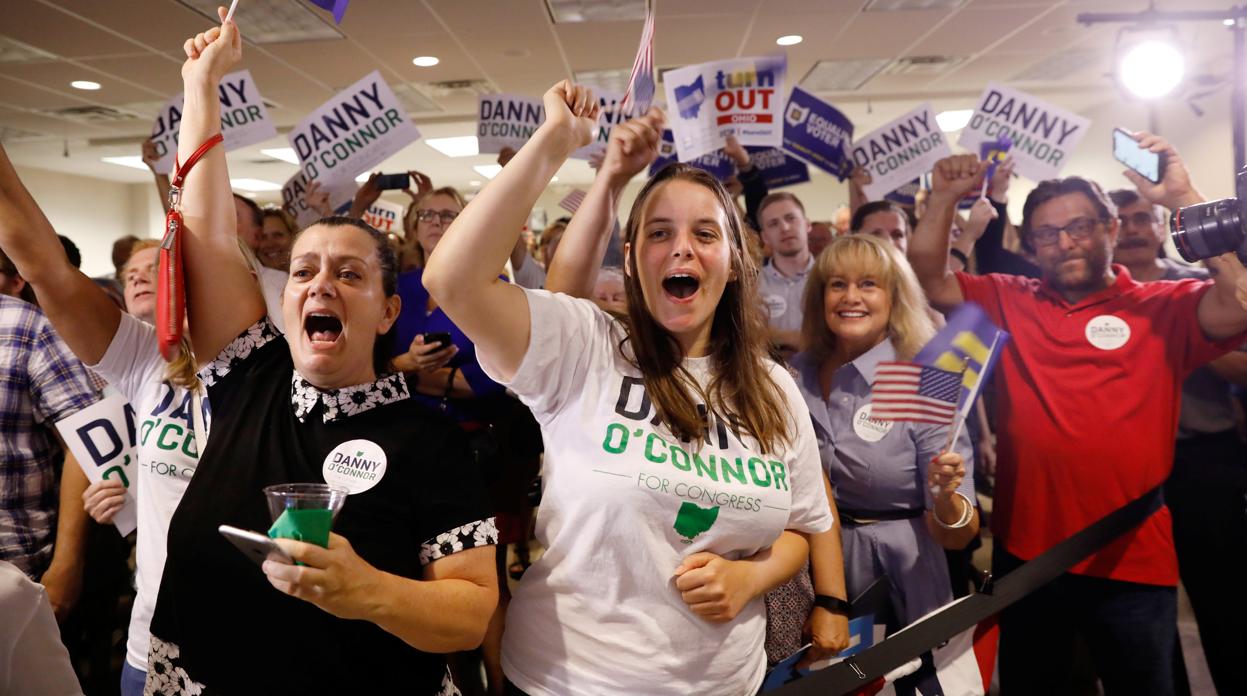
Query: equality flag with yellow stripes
{"x": 971, "y": 341}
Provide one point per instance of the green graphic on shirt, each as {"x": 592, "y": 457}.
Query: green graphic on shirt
{"x": 692, "y": 520}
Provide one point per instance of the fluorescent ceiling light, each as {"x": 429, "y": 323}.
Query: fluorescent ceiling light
{"x": 425, "y": 61}
{"x": 285, "y": 154}
{"x": 458, "y": 146}
{"x": 564, "y": 11}
{"x": 488, "y": 171}
{"x": 474, "y": 182}
{"x": 1151, "y": 69}
{"x": 131, "y": 161}
{"x": 954, "y": 119}
{"x": 789, "y": 40}
{"x": 85, "y": 84}
{"x": 254, "y": 185}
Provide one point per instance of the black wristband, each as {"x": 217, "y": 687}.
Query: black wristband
{"x": 957, "y": 254}
{"x": 834, "y": 605}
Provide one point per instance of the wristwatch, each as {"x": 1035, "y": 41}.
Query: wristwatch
{"x": 834, "y": 605}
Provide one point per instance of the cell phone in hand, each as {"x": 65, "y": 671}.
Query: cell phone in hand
{"x": 389, "y": 182}
{"x": 440, "y": 337}
{"x": 255, "y": 546}
{"x": 1149, "y": 165}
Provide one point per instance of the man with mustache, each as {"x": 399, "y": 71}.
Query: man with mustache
{"x": 1205, "y": 491}
{"x": 1089, "y": 390}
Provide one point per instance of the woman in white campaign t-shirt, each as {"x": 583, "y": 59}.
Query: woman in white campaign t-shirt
{"x": 120, "y": 347}
{"x": 662, "y": 526}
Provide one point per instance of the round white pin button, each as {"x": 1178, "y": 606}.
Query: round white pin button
{"x": 1107, "y": 332}
{"x": 355, "y": 465}
{"x": 867, "y": 428}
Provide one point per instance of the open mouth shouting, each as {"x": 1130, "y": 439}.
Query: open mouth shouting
{"x": 681, "y": 286}
{"x": 323, "y": 329}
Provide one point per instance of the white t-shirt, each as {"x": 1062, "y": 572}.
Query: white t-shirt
{"x": 167, "y": 457}
{"x": 273, "y": 284}
{"x": 623, "y": 503}
{"x": 33, "y": 661}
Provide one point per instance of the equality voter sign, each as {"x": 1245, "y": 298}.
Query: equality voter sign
{"x": 506, "y": 120}
{"x": 356, "y": 130}
{"x": 818, "y": 133}
{"x": 102, "y": 439}
{"x": 244, "y": 119}
{"x": 1043, "y": 134}
{"x": 711, "y": 101}
{"x": 385, "y": 216}
{"x": 777, "y": 167}
{"x": 900, "y": 150}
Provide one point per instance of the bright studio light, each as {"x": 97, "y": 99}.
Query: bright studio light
{"x": 1151, "y": 69}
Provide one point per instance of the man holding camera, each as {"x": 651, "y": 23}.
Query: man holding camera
{"x": 1206, "y": 489}
{"x": 1089, "y": 392}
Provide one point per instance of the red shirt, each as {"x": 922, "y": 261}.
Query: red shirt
{"x": 1088, "y": 410}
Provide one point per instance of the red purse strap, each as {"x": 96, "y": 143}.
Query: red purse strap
{"x": 180, "y": 171}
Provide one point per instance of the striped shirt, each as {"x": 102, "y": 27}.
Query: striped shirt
{"x": 41, "y": 382}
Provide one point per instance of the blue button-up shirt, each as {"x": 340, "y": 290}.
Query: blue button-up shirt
{"x": 873, "y": 465}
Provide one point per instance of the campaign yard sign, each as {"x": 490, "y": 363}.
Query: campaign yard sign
{"x": 102, "y": 438}
{"x": 612, "y": 114}
{"x": 385, "y": 216}
{"x": 740, "y": 97}
{"x": 506, "y": 120}
{"x": 292, "y": 192}
{"x": 818, "y": 133}
{"x": 244, "y": 119}
{"x": 778, "y": 168}
{"x": 900, "y": 150}
{"x": 1043, "y": 134}
{"x": 356, "y": 130}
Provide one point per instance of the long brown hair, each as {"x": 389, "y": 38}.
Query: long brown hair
{"x": 740, "y": 382}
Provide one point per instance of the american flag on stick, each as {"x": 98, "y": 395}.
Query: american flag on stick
{"x": 906, "y": 391}
{"x": 571, "y": 202}
{"x": 641, "y": 86}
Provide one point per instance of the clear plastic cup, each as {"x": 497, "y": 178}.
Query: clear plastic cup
{"x": 304, "y": 496}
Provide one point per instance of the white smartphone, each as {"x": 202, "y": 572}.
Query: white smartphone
{"x": 255, "y": 546}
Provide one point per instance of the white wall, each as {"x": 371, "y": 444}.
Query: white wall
{"x": 92, "y": 212}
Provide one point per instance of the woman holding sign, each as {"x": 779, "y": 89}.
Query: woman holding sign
{"x": 681, "y": 474}
{"x": 408, "y": 573}
{"x": 863, "y": 306}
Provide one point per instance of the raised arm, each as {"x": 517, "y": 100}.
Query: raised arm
{"x": 633, "y": 146}
{"x": 461, "y": 273}
{"x": 951, "y": 180}
{"x": 79, "y": 310}
{"x": 222, "y": 298}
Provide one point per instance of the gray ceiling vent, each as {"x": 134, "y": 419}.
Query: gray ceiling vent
{"x": 904, "y": 5}
{"x": 413, "y": 98}
{"x": 272, "y": 21}
{"x": 92, "y": 114}
{"x": 17, "y": 52}
{"x": 842, "y": 75}
{"x": 9, "y": 134}
{"x": 571, "y": 11}
{"x": 923, "y": 65}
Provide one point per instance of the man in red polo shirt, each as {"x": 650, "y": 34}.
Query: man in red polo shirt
{"x": 1089, "y": 400}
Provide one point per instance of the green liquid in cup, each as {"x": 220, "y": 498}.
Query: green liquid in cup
{"x": 310, "y": 525}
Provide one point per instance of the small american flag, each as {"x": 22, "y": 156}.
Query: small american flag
{"x": 905, "y": 391}
{"x": 641, "y": 86}
{"x": 571, "y": 202}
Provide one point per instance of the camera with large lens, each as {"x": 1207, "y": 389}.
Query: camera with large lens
{"x": 1210, "y": 229}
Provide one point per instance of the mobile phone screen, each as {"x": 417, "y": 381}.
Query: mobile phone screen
{"x": 1127, "y": 151}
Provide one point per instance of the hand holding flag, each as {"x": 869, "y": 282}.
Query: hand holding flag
{"x": 640, "y": 93}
